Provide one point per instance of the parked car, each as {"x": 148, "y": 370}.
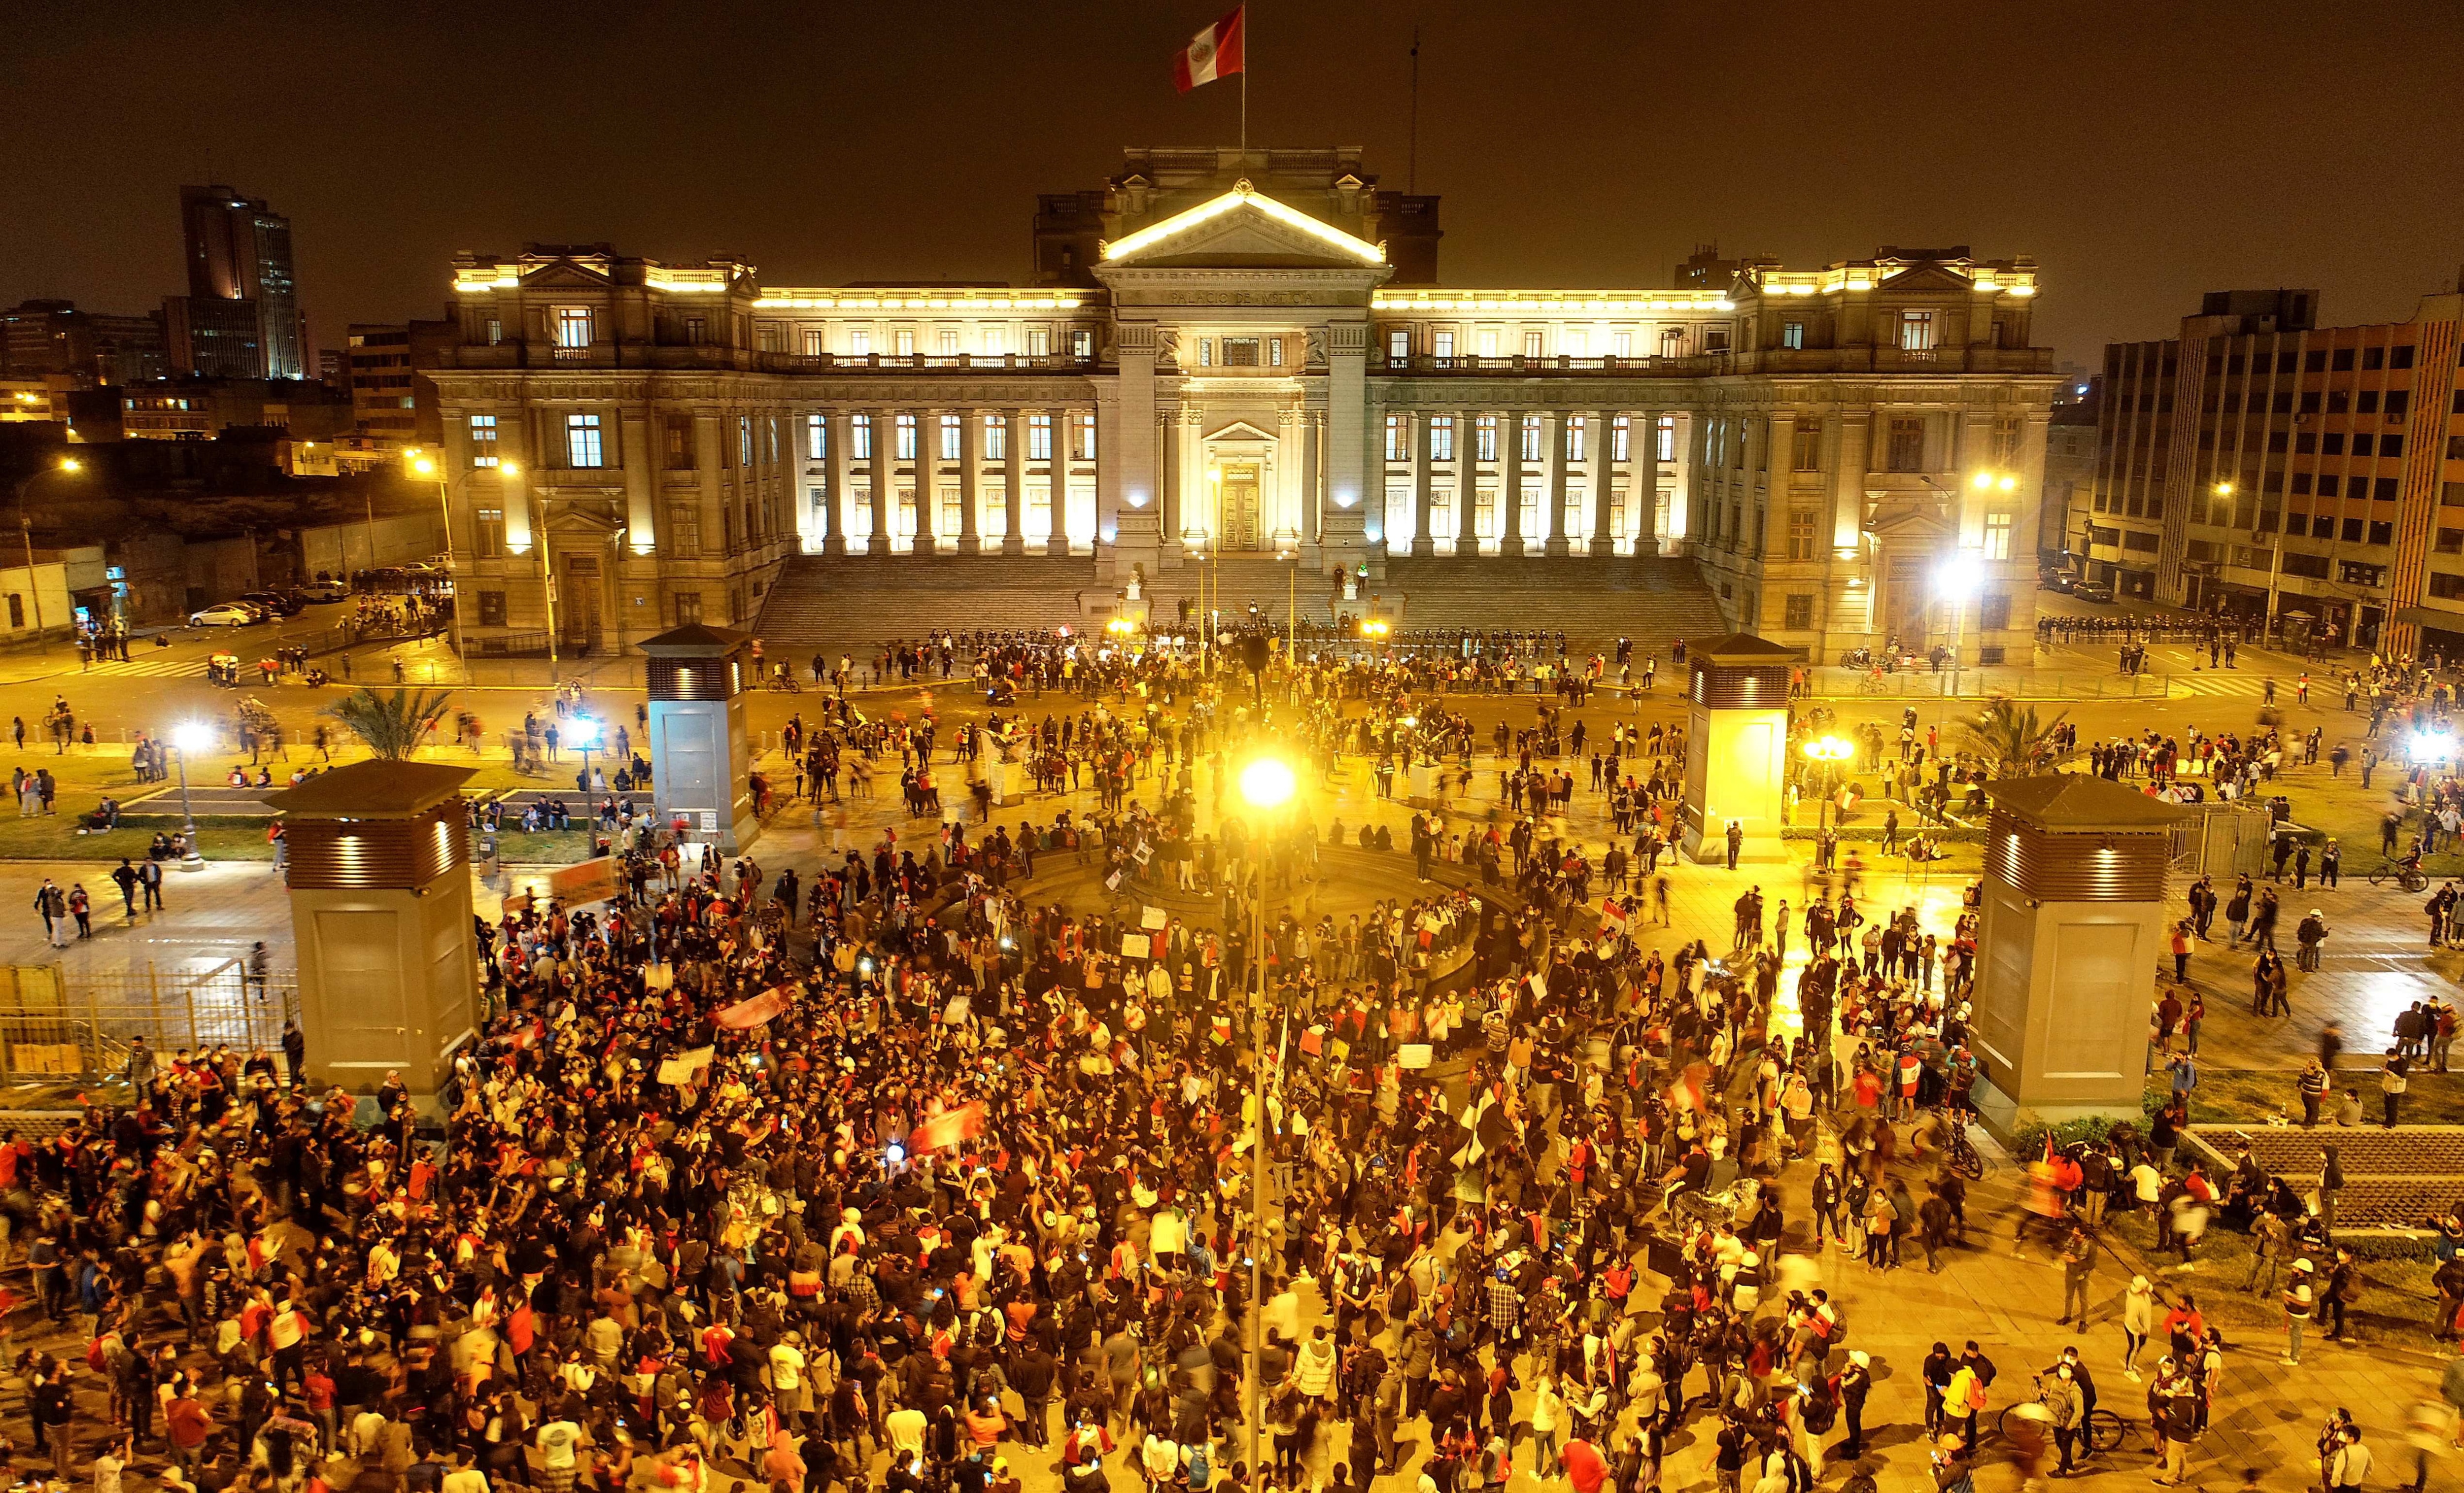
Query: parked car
{"x": 2096, "y": 591}
{"x": 272, "y": 600}
{"x": 225, "y": 614}
{"x": 2061, "y": 580}
{"x": 326, "y": 591}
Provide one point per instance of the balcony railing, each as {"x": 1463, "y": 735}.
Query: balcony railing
{"x": 1691, "y": 364}
{"x": 926, "y": 363}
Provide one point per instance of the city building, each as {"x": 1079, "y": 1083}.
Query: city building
{"x": 2264, "y": 465}
{"x": 1229, "y": 354}
{"x": 392, "y": 402}
{"x": 238, "y": 250}
{"x": 201, "y": 408}
{"x": 210, "y": 338}
{"x": 43, "y": 337}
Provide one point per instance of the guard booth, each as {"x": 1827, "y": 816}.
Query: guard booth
{"x": 380, "y": 879}
{"x": 2073, "y": 930}
{"x": 700, "y": 758}
{"x": 1736, "y": 747}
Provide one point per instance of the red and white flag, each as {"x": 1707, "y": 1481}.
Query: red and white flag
{"x": 1212, "y": 54}
{"x": 948, "y": 1129}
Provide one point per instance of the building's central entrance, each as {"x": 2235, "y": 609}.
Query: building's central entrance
{"x": 1240, "y": 502}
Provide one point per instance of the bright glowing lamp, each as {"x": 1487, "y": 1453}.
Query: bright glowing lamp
{"x": 1981, "y": 481}
{"x": 1829, "y": 748}
{"x": 1268, "y": 782}
{"x": 1959, "y": 576}
{"x": 424, "y": 466}
{"x": 511, "y": 469}
{"x": 581, "y": 731}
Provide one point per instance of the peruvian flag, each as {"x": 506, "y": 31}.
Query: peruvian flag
{"x": 948, "y": 1129}
{"x": 1212, "y": 54}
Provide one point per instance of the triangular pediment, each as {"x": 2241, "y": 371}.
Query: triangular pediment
{"x": 564, "y": 275}
{"x": 1242, "y": 227}
{"x": 1910, "y": 517}
{"x": 1928, "y": 280}
{"x": 577, "y": 522}
{"x": 1240, "y": 430}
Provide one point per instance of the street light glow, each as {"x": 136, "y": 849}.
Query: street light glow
{"x": 424, "y": 466}
{"x": 71, "y": 464}
{"x": 191, "y": 737}
{"x": 1959, "y": 576}
{"x": 1268, "y": 782}
{"x": 1830, "y": 749}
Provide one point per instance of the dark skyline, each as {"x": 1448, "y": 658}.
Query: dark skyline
{"x": 2140, "y": 154}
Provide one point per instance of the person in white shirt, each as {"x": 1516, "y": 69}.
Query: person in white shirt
{"x": 557, "y": 1440}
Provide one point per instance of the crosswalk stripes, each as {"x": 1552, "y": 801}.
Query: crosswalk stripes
{"x": 147, "y": 669}
{"x": 2225, "y": 683}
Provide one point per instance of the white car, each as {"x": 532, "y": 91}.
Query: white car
{"x": 229, "y": 614}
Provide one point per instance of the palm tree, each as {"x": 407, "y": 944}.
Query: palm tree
{"x": 392, "y": 725}
{"x": 2009, "y": 738}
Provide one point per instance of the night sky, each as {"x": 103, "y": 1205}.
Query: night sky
{"x": 2142, "y": 153}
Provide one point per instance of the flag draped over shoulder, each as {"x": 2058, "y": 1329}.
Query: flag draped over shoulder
{"x": 1212, "y": 54}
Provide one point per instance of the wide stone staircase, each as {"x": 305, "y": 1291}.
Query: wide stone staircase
{"x": 853, "y": 603}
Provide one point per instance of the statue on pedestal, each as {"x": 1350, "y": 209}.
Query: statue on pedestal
{"x": 1138, "y": 581}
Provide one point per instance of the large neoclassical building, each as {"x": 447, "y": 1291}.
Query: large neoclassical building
{"x": 1225, "y": 353}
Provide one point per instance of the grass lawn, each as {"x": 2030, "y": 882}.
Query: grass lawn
{"x": 2397, "y": 1303}
{"x": 2247, "y": 1096}
{"x": 546, "y": 848}
{"x": 55, "y": 838}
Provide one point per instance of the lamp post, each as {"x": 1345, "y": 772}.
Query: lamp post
{"x": 186, "y": 737}
{"x": 425, "y": 466}
{"x": 1266, "y": 784}
{"x": 1827, "y": 753}
{"x": 70, "y": 466}
{"x": 1955, "y": 580}
{"x": 582, "y": 730}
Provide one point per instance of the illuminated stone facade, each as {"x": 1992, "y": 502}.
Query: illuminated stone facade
{"x": 1251, "y": 354}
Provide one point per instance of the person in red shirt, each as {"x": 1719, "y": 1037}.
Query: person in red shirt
{"x": 1584, "y": 1467}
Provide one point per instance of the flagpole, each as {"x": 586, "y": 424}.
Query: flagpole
{"x": 1245, "y": 87}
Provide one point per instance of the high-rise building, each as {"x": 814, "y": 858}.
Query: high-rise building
{"x": 2266, "y": 467}
{"x": 41, "y": 337}
{"x": 239, "y": 249}
{"x": 213, "y": 339}
{"x": 391, "y": 401}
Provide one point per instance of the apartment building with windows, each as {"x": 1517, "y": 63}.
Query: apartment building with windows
{"x": 1227, "y": 354}
{"x": 2266, "y": 467}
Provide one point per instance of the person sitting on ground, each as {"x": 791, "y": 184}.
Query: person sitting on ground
{"x": 105, "y": 815}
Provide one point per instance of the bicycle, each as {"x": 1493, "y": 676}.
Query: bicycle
{"x": 1959, "y": 1152}
{"x": 2407, "y": 874}
{"x": 2103, "y": 1431}
{"x": 1870, "y": 684}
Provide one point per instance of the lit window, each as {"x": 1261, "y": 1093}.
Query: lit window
{"x": 581, "y": 441}
{"x": 1484, "y": 438}
{"x": 1665, "y": 448}
{"x": 906, "y": 345}
{"x": 1621, "y": 345}
{"x": 1530, "y": 344}
{"x": 1792, "y": 333}
{"x": 1997, "y": 534}
{"x": 1441, "y": 438}
{"x": 860, "y": 342}
{"x": 573, "y": 326}
{"x": 860, "y": 437}
{"x": 1529, "y": 445}
{"x": 1398, "y": 436}
{"x": 744, "y": 440}
{"x": 995, "y": 341}
{"x": 1082, "y": 345}
{"x": 905, "y": 449}
{"x": 1039, "y": 437}
{"x": 949, "y": 341}
{"x": 813, "y": 347}
{"x": 950, "y": 435}
{"x": 997, "y": 437}
{"x": 1576, "y": 343}
{"x": 1620, "y": 436}
{"x": 483, "y": 440}
{"x": 1399, "y": 343}
{"x": 1488, "y": 342}
{"x": 491, "y": 532}
{"x": 495, "y": 331}
{"x": 1577, "y": 429}
{"x": 1082, "y": 444}
{"x": 1916, "y": 331}
{"x": 1274, "y": 352}
{"x": 1442, "y": 345}
{"x": 817, "y": 437}
{"x": 1240, "y": 352}
{"x": 1039, "y": 342}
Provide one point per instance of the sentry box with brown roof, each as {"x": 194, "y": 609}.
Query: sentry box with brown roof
{"x": 1736, "y": 757}
{"x": 2072, "y": 933}
{"x": 380, "y": 878}
{"x": 701, "y": 759}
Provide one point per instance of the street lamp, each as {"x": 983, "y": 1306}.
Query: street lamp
{"x": 190, "y": 737}
{"x": 1958, "y": 577}
{"x": 1828, "y": 753}
{"x": 1266, "y": 784}
{"x": 583, "y": 732}
{"x": 428, "y": 466}
{"x": 68, "y": 465}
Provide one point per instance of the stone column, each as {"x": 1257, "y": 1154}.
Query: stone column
{"x": 1509, "y": 463}
{"x": 1197, "y": 495}
{"x": 1014, "y": 480}
{"x": 2073, "y": 917}
{"x": 885, "y": 442}
{"x": 1604, "y": 438}
{"x": 1343, "y": 509}
{"x": 378, "y": 872}
{"x": 1423, "y": 542}
{"x": 1467, "y": 483}
{"x": 970, "y": 455}
{"x": 1736, "y": 752}
{"x": 1554, "y": 428}
{"x": 1644, "y": 493}
{"x": 834, "y": 505}
{"x": 1313, "y": 476}
{"x": 928, "y": 477}
{"x": 1129, "y": 476}
{"x": 1057, "y": 425}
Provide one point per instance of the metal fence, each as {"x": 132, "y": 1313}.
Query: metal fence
{"x": 56, "y": 1027}
{"x": 1831, "y": 683}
